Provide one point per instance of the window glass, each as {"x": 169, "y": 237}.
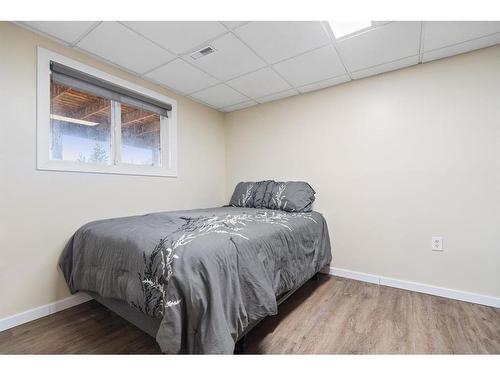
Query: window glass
{"x": 140, "y": 137}
{"x": 90, "y": 121}
{"x": 80, "y": 125}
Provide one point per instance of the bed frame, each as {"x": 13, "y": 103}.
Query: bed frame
{"x": 145, "y": 322}
{"x": 151, "y": 325}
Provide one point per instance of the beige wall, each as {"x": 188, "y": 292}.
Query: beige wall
{"x": 39, "y": 210}
{"x": 395, "y": 159}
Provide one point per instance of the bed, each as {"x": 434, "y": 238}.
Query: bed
{"x": 197, "y": 280}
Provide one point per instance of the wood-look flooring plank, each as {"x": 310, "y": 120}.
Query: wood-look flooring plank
{"x": 329, "y": 316}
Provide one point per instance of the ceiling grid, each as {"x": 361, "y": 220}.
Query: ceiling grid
{"x": 259, "y": 61}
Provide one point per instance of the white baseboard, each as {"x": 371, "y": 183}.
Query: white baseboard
{"x": 76, "y": 299}
{"x": 417, "y": 287}
{"x": 40, "y": 312}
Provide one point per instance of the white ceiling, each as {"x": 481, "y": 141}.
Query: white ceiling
{"x": 262, "y": 61}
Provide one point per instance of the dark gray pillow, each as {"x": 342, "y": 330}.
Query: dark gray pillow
{"x": 243, "y": 194}
{"x": 292, "y": 196}
{"x": 262, "y": 194}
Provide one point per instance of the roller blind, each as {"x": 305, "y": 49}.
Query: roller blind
{"x": 81, "y": 81}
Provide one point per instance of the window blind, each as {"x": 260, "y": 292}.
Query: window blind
{"x": 81, "y": 81}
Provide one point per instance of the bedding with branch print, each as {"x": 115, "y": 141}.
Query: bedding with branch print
{"x": 245, "y": 197}
{"x": 205, "y": 275}
{"x": 158, "y": 265}
{"x": 280, "y": 196}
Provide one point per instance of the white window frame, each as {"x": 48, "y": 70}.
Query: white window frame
{"x": 168, "y": 126}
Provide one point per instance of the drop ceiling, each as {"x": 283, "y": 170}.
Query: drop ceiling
{"x": 261, "y": 61}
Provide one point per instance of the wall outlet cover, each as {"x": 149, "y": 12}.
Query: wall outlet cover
{"x": 437, "y": 243}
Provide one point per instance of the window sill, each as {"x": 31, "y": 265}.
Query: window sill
{"x": 126, "y": 169}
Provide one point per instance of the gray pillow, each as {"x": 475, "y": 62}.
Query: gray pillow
{"x": 262, "y": 194}
{"x": 243, "y": 194}
{"x": 252, "y": 194}
{"x": 292, "y": 196}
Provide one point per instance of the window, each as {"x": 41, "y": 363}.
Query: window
{"x": 89, "y": 121}
{"x": 80, "y": 126}
{"x": 140, "y": 134}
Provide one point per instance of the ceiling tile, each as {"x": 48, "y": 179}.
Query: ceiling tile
{"x": 394, "y": 65}
{"x": 277, "y": 40}
{"x": 220, "y": 96}
{"x": 279, "y": 95}
{"x": 438, "y": 34}
{"x": 182, "y": 77}
{"x": 260, "y": 83}
{"x": 233, "y": 24}
{"x": 302, "y": 53}
{"x": 462, "y": 47}
{"x": 231, "y": 59}
{"x": 323, "y": 84}
{"x": 67, "y": 31}
{"x": 381, "y": 45}
{"x": 178, "y": 36}
{"x": 312, "y": 66}
{"x": 118, "y": 44}
{"x": 237, "y": 107}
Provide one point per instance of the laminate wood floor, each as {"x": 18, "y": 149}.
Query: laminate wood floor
{"x": 329, "y": 316}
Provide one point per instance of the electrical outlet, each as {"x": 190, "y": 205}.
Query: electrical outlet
{"x": 437, "y": 243}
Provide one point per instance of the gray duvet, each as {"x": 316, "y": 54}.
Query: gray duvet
{"x": 207, "y": 274}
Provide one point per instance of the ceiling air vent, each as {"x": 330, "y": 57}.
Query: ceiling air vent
{"x": 202, "y": 52}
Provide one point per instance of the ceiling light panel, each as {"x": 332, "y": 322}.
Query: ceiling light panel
{"x": 381, "y": 45}
{"x": 344, "y": 28}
